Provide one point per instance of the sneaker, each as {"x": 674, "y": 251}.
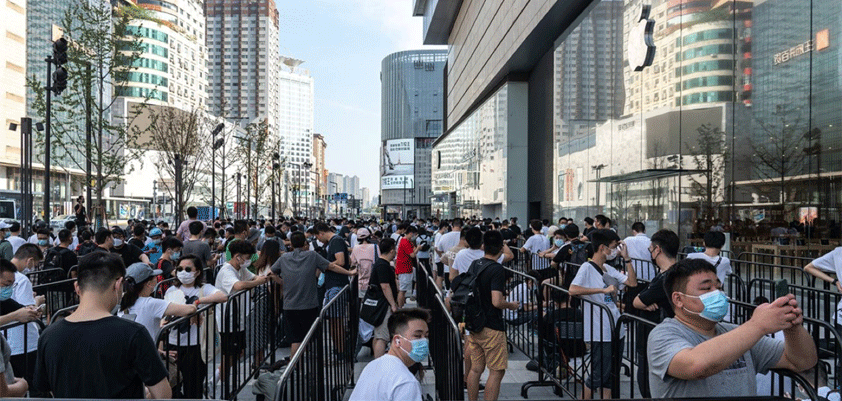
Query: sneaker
{"x": 481, "y": 386}
{"x": 532, "y": 365}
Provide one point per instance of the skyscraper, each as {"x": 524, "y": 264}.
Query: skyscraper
{"x": 320, "y": 176}
{"x": 295, "y": 128}
{"x": 13, "y": 80}
{"x": 244, "y": 63}
{"x": 412, "y": 110}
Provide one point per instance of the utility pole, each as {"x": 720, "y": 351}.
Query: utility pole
{"x": 216, "y": 144}
{"x": 88, "y": 134}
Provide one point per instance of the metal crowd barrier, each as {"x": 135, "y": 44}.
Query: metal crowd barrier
{"x": 162, "y": 287}
{"x": 446, "y": 352}
{"x": 193, "y": 340}
{"x": 637, "y": 330}
{"x": 644, "y": 269}
{"x": 58, "y": 295}
{"x": 817, "y": 303}
{"x": 246, "y": 337}
{"x": 46, "y": 276}
{"x": 749, "y": 270}
{"x": 323, "y": 368}
{"x": 521, "y": 325}
{"x": 17, "y": 333}
{"x": 772, "y": 259}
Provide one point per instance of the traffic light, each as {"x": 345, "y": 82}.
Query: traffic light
{"x": 59, "y": 58}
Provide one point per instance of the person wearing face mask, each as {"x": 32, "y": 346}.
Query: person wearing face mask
{"x": 388, "y": 377}
{"x": 696, "y": 355}
{"x": 43, "y": 240}
{"x": 24, "y": 341}
{"x": 130, "y": 253}
{"x": 6, "y": 249}
{"x": 599, "y": 283}
{"x": 171, "y": 248}
{"x": 191, "y": 286}
{"x": 235, "y": 276}
{"x": 652, "y": 303}
{"x": 139, "y": 303}
{"x": 536, "y": 244}
{"x": 126, "y": 357}
{"x": 61, "y": 255}
{"x": 152, "y": 249}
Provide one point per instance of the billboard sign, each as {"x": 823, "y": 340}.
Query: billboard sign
{"x": 397, "y": 164}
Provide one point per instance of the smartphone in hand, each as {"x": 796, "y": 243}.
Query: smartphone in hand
{"x": 781, "y": 288}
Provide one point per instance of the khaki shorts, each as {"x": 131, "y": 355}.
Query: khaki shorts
{"x": 382, "y": 332}
{"x": 488, "y": 348}
{"x": 405, "y": 281}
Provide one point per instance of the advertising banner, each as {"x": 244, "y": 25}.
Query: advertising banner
{"x": 397, "y": 164}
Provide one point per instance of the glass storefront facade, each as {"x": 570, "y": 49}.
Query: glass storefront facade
{"x": 737, "y": 119}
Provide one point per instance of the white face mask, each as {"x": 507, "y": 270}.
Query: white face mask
{"x": 246, "y": 264}
{"x": 612, "y": 254}
{"x": 186, "y": 277}
{"x": 118, "y": 242}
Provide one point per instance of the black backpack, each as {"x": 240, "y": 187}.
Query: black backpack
{"x": 578, "y": 253}
{"x": 465, "y": 302}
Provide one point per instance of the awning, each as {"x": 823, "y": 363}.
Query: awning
{"x": 647, "y": 175}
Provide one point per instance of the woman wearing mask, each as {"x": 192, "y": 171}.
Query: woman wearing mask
{"x": 191, "y": 360}
{"x": 363, "y": 257}
{"x": 171, "y": 251}
{"x": 265, "y": 302}
{"x": 140, "y": 306}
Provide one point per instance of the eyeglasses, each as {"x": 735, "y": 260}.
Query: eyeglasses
{"x": 187, "y": 269}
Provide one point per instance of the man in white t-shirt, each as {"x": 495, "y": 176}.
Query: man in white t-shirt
{"x": 830, "y": 262}
{"x": 439, "y": 266}
{"x": 599, "y": 283}
{"x": 15, "y": 238}
{"x": 638, "y": 247}
{"x": 536, "y": 243}
{"x": 466, "y": 257}
{"x": 388, "y": 378}
{"x": 448, "y": 241}
{"x": 714, "y": 241}
{"x": 23, "y": 355}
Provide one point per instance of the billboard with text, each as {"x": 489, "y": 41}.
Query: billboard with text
{"x": 397, "y": 164}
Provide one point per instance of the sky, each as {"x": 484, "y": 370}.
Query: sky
{"x": 343, "y": 43}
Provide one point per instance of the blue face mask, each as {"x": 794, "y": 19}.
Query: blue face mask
{"x": 420, "y": 349}
{"x": 43, "y": 242}
{"x": 716, "y": 305}
{"x": 559, "y": 242}
{"x": 176, "y": 255}
{"x": 563, "y": 226}
{"x": 5, "y": 293}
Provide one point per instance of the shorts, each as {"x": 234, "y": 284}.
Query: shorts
{"x": 549, "y": 272}
{"x": 405, "y": 282}
{"x": 337, "y": 309}
{"x": 440, "y": 269}
{"x": 600, "y": 376}
{"x": 298, "y": 322}
{"x": 233, "y": 343}
{"x": 382, "y": 332}
{"x": 488, "y": 348}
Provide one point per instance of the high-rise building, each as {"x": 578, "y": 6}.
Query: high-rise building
{"x": 412, "y": 110}
{"x": 366, "y": 197}
{"x": 243, "y": 61}
{"x": 172, "y": 69}
{"x": 295, "y": 128}
{"x": 13, "y": 81}
{"x": 335, "y": 183}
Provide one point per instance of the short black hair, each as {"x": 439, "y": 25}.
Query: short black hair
{"x": 386, "y": 245}
{"x": 603, "y": 236}
{"x": 602, "y": 219}
{"x": 102, "y": 235}
{"x": 639, "y": 227}
{"x": 571, "y": 230}
{"x": 714, "y": 239}
{"x": 493, "y": 242}
{"x": 535, "y": 225}
{"x": 171, "y": 243}
{"x": 269, "y": 230}
{"x": 70, "y": 225}
{"x": 138, "y": 230}
{"x": 27, "y": 251}
{"x": 589, "y": 221}
{"x": 297, "y": 239}
{"x": 64, "y": 235}
{"x": 676, "y": 278}
{"x": 6, "y": 266}
{"x": 98, "y": 270}
{"x": 411, "y": 229}
{"x": 15, "y": 227}
{"x": 195, "y": 227}
{"x": 457, "y": 222}
{"x": 474, "y": 237}
{"x": 668, "y": 241}
{"x": 399, "y": 320}
{"x": 192, "y": 212}
{"x": 240, "y": 226}
{"x": 43, "y": 231}
{"x": 241, "y": 248}
{"x": 322, "y": 228}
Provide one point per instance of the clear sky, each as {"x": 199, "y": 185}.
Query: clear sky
{"x": 343, "y": 43}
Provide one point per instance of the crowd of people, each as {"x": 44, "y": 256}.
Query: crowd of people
{"x": 690, "y": 353}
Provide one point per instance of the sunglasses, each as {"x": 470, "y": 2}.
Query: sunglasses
{"x": 187, "y": 269}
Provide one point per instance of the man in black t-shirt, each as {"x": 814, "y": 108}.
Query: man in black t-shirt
{"x": 337, "y": 252}
{"x": 488, "y": 346}
{"x": 652, "y": 303}
{"x": 383, "y": 276}
{"x": 111, "y": 357}
{"x": 130, "y": 253}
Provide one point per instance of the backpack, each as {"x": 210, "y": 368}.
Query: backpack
{"x": 578, "y": 253}
{"x": 465, "y": 302}
{"x": 425, "y": 243}
{"x": 364, "y": 266}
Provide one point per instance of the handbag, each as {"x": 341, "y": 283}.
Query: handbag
{"x": 374, "y": 306}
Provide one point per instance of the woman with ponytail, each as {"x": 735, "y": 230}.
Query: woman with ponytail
{"x": 137, "y": 304}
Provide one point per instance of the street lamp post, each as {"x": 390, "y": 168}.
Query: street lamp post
{"x": 215, "y": 145}
{"x": 276, "y": 166}
{"x": 237, "y": 206}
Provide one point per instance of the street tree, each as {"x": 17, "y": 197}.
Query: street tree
{"x": 102, "y": 53}
{"x": 709, "y": 154}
